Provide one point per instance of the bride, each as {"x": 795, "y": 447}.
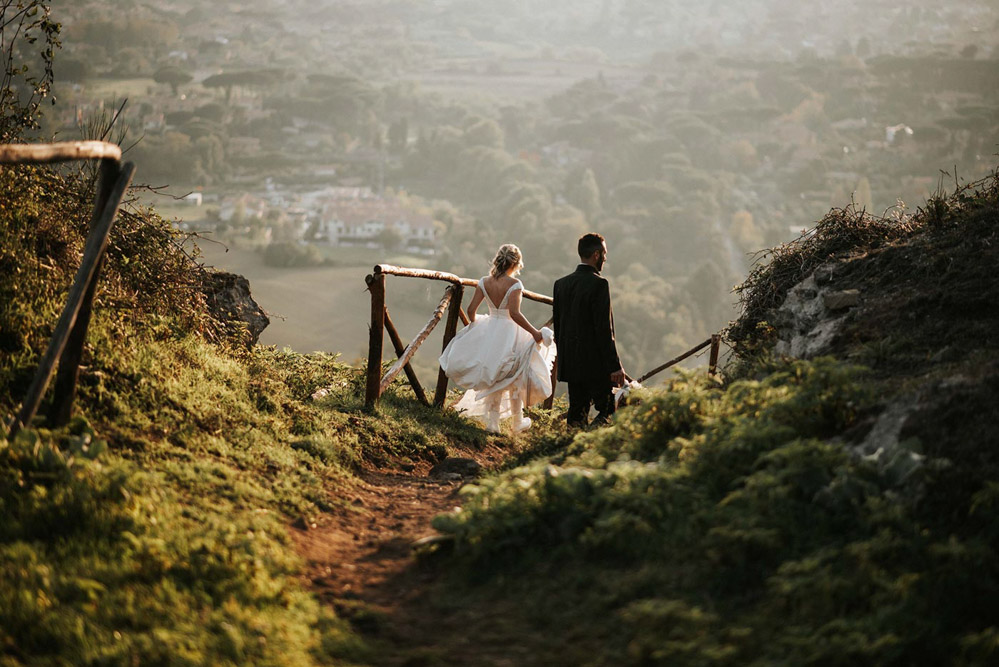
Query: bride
{"x": 500, "y": 358}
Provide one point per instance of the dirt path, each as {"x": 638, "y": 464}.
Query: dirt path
{"x": 359, "y": 561}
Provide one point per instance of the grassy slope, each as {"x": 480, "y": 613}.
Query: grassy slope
{"x": 153, "y": 529}
{"x": 730, "y": 525}
{"x": 711, "y": 524}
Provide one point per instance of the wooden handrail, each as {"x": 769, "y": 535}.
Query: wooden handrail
{"x": 450, "y": 329}
{"x": 59, "y": 152}
{"x": 676, "y": 360}
{"x": 377, "y": 383}
{"x": 405, "y": 272}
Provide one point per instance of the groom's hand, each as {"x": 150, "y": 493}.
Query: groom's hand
{"x": 617, "y": 377}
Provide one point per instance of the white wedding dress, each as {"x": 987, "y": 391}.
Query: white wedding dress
{"x": 500, "y": 365}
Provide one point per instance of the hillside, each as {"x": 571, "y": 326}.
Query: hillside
{"x": 156, "y": 528}
{"x": 831, "y": 510}
{"x": 208, "y": 506}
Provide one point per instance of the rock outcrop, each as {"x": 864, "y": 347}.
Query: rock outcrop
{"x": 229, "y": 298}
{"x": 813, "y": 314}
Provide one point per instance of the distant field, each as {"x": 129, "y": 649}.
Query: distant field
{"x": 133, "y": 89}
{"x": 328, "y": 308}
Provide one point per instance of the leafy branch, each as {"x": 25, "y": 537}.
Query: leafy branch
{"x": 28, "y": 41}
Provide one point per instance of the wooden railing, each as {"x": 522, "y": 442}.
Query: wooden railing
{"x": 381, "y": 322}
{"x": 714, "y": 342}
{"x": 450, "y": 303}
{"x": 66, "y": 345}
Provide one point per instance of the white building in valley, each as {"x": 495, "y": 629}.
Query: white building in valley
{"x": 375, "y": 222}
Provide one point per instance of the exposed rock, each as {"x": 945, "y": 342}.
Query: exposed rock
{"x": 896, "y": 458}
{"x": 230, "y": 301}
{"x": 810, "y": 317}
{"x": 841, "y": 300}
{"x": 454, "y": 468}
{"x": 433, "y": 541}
{"x": 886, "y": 429}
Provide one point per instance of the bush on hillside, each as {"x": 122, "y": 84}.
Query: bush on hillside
{"x": 725, "y": 526}
{"x": 286, "y": 254}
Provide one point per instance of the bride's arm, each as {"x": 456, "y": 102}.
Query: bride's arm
{"x": 474, "y": 304}
{"x": 514, "y": 305}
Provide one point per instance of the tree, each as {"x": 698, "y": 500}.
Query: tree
{"x": 582, "y": 192}
{"x": 398, "y": 136}
{"x": 212, "y": 111}
{"x": 250, "y": 78}
{"x": 744, "y": 232}
{"x": 844, "y": 49}
{"x": 710, "y": 294}
{"x": 390, "y": 238}
{"x": 73, "y": 69}
{"x": 744, "y": 154}
{"x": 173, "y": 76}
{"x": 969, "y": 52}
{"x": 485, "y": 132}
{"x": 643, "y": 194}
{"x": 863, "y": 47}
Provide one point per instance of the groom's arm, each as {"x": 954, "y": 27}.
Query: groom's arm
{"x": 603, "y": 328}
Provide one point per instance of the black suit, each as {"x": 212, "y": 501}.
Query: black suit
{"x": 584, "y": 333}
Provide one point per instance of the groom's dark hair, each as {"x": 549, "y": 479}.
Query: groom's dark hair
{"x": 589, "y": 244}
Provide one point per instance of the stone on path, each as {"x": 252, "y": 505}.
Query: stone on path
{"x": 455, "y": 468}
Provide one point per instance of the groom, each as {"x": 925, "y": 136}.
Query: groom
{"x": 584, "y": 333}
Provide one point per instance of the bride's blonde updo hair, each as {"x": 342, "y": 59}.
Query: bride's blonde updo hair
{"x": 508, "y": 255}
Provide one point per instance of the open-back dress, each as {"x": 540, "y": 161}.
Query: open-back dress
{"x": 494, "y": 357}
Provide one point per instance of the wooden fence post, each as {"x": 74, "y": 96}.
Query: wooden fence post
{"x": 64, "y": 390}
{"x": 81, "y": 292}
{"x": 454, "y": 308}
{"x": 376, "y": 285}
{"x": 713, "y": 357}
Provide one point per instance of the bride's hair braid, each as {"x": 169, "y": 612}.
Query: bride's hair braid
{"x": 508, "y": 255}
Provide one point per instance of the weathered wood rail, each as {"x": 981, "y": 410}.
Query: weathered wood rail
{"x": 714, "y": 342}
{"x": 450, "y": 304}
{"x": 66, "y": 345}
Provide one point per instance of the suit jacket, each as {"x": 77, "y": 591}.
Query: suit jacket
{"x": 584, "y": 326}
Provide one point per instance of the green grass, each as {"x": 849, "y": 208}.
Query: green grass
{"x": 154, "y": 528}
{"x": 716, "y": 525}
{"x": 740, "y": 523}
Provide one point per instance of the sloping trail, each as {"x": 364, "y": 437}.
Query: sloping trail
{"x": 359, "y": 561}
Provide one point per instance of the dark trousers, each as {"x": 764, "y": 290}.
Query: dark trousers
{"x": 584, "y": 394}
